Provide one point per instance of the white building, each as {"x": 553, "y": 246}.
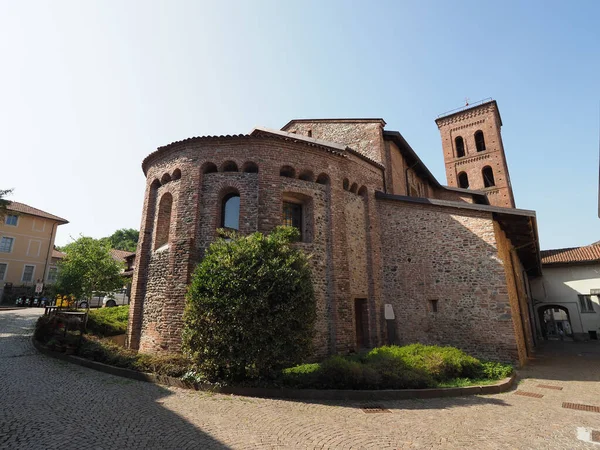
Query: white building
{"x": 565, "y": 297}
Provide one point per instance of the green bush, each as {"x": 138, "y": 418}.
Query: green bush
{"x": 495, "y": 370}
{"x": 108, "y": 321}
{"x": 250, "y": 307}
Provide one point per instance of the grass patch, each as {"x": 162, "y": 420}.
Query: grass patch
{"x": 104, "y": 322}
{"x": 105, "y": 351}
{"x": 413, "y": 366}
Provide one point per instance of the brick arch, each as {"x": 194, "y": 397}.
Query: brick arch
{"x": 323, "y": 178}
{"x": 155, "y": 184}
{"x": 287, "y": 171}
{"x": 165, "y": 179}
{"x": 208, "y": 167}
{"x": 354, "y": 188}
{"x": 463, "y": 180}
{"x": 250, "y": 167}
{"x": 176, "y": 174}
{"x": 163, "y": 220}
{"x": 488, "y": 177}
{"x": 363, "y": 191}
{"x": 479, "y": 141}
{"x": 229, "y": 166}
{"x": 459, "y": 145}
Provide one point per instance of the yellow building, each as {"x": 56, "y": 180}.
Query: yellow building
{"x": 26, "y": 246}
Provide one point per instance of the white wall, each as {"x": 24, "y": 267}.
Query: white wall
{"x": 561, "y": 286}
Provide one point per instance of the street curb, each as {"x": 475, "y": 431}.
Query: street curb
{"x": 283, "y": 393}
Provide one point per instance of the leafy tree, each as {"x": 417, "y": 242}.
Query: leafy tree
{"x": 250, "y": 307}
{"x": 123, "y": 239}
{"x": 3, "y": 202}
{"x": 88, "y": 267}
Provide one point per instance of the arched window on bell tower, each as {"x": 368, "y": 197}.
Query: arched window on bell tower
{"x": 488, "y": 177}
{"x": 459, "y": 143}
{"x": 463, "y": 180}
{"x": 479, "y": 141}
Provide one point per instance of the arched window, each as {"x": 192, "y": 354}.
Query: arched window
{"x": 176, "y": 174}
{"x": 354, "y": 188}
{"x": 230, "y": 211}
{"x": 209, "y": 168}
{"x": 346, "y": 184}
{"x": 163, "y": 221}
{"x": 463, "y": 180}
{"x": 165, "y": 178}
{"x": 323, "y": 179}
{"x": 460, "y": 146}
{"x": 287, "y": 171}
{"x": 250, "y": 167}
{"x": 479, "y": 141}
{"x": 229, "y": 166}
{"x": 488, "y": 177}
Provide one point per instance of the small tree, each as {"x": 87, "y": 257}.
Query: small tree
{"x": 88, "y": 267}
{"x": 250, "y": 307}
{"x": 123, "y": 239}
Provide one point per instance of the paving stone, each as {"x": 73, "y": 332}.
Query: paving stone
{"x": 49, "y": 404}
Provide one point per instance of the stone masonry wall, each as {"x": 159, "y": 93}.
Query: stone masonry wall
{"x": 436, "y": 253}
{"x": 366, "y": 137}
{"x": 208, "y": 173}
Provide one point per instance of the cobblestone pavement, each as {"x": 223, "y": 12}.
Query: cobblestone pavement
{"x": 49, "y": 404}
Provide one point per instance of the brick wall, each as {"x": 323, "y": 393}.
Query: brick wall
{"x": 464, "y": 124}
{"x": 437, "y": 253}
{"x": 158, "y": 303}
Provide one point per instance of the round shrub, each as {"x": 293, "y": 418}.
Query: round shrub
{"x": 250, "y": 307}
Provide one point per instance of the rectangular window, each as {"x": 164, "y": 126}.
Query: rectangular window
{"x": 28, "y": 274}
{"x": 292, "y": 216}
{"x": 11, "y": 220}
{"x": 586, "y": 303}
{"x": 52, "y": 274}
{"x": 3, "y": 267}
{"x": 6, "y": 244}
{"x": 433, "y": 306}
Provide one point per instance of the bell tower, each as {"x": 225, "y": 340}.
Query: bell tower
{"x": 473, "y": 151}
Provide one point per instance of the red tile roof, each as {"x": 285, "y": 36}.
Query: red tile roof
{"x": 57, "y": 254}
{"x": 26, "y": 209}
{"x": 120, "y": 255}
{"x": 573, "y": 255}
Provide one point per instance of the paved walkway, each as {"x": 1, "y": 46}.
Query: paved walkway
{"x": 49, "y": 404}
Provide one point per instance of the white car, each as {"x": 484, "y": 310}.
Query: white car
{"x": 116, "y": 298}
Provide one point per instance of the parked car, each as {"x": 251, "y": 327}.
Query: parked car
{"x": 94, "y": 302}
{"x": 116, "y": 298}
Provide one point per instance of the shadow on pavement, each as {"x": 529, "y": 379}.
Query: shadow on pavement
{"x": 51, "y": 404}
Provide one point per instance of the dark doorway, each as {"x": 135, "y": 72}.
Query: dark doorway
{"x": 361, "y": 321}
{"x": 555, "y": 322}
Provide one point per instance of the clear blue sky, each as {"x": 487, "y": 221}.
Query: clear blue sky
{"x": 88, "y": 89}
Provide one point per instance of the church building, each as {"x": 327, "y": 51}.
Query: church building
{"x": 397, "y": 256}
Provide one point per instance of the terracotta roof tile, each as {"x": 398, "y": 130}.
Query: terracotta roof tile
{"x": 26, "y": 209}
{"x": 57, "y": 254}
{"x": 120, "y": 255}
{"x": 589, "y": 253}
